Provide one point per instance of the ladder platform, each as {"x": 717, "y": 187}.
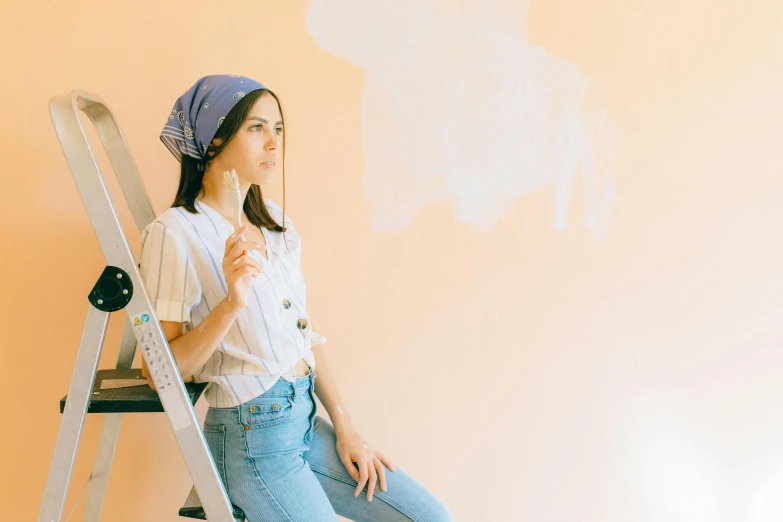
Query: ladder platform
{"x": 193, "y": 509}
{"x": 130, "y": 399}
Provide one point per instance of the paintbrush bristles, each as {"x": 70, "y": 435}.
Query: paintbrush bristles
{"x": 234, "y": 197}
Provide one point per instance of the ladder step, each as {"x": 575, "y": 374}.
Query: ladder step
{"x": 193, "y": 509}
{"x": 133, "y": 399}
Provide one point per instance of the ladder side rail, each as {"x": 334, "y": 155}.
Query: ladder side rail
{"x": 69, "y": 435}
{"x": 119, "y": 156}
{"x": 109, "y": 434}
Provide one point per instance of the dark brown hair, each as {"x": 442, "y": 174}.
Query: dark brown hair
{"x": 192, "y": 170}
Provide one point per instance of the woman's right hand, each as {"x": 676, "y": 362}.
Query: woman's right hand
{"x": 239, "y": 268}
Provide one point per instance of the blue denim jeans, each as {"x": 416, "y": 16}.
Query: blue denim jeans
{"x": 279, "y": 462}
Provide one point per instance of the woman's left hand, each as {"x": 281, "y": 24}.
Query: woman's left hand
{"x": 351, "y": 447}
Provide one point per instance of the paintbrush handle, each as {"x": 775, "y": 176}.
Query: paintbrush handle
{"x": 242, "y": 237}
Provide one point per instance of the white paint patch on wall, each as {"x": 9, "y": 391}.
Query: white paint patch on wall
{"x": 459, "y": 107}
{"x": 676, "y": 477}
{"x": 768, "y": 503}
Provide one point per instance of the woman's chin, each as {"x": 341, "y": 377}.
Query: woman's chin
{"x": 263, "y": 180}
{"x": 266, "y": 174}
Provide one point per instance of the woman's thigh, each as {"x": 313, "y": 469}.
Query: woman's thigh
{"x": 404, "y": 500}
{"x": 260, "y": 459}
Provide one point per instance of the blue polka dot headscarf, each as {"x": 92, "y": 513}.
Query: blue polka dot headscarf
{"x": 198, "y": 113}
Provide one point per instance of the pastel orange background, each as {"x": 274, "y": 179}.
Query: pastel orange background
{"x": 520, "y": 374}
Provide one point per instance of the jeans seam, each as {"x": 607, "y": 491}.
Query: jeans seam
{"x": 308, "y": 438}
{"x": 223, "y": 458}
{"x": 220, "y": 430}
{"x": 327, "y": 472}
{"x": 261, "y": 480}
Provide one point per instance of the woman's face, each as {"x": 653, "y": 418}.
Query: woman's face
{"x": 256, "y": 149}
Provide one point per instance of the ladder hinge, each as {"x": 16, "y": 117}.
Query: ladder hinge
{"x": 113, "y": 291}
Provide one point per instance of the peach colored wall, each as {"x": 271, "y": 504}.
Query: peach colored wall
{"x": 521, "y": 373}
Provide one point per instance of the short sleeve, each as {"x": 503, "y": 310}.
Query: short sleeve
{"x": 168, "y": 274}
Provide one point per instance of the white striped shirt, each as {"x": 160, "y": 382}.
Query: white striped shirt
{"x": 181, "y": 265}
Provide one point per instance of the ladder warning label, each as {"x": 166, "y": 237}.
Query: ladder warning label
{"x": 141, "y": 319}
{"x": 171, "y": 399}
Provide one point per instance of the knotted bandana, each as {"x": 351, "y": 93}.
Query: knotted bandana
{"x": 199, "y": 112}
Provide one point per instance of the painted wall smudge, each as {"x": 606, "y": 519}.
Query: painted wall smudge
{"x": 459, "y": 107}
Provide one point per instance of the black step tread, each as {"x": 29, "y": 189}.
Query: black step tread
{"x": 135, "y": 399}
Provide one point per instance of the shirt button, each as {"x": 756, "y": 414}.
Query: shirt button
{"x": 302, "y": 324}
{"x": 286, "y": 304}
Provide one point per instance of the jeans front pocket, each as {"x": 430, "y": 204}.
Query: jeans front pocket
{"x": 269, "y": 411}
{"x": 215, "y": 435}
{"x": 275, "y": 433}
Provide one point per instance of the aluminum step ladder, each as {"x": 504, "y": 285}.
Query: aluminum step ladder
{"x": 120, "y": 287}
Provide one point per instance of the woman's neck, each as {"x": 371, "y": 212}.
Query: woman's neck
{"x": 215, "y": 194}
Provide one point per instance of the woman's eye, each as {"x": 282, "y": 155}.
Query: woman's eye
{"x": 279, "y": 130}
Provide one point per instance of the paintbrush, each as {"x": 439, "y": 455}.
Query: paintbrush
{"x": 234, "y": 198}
{"x": 234, "y": 201}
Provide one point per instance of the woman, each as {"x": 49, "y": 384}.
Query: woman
{"x": 232, "y": 305}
